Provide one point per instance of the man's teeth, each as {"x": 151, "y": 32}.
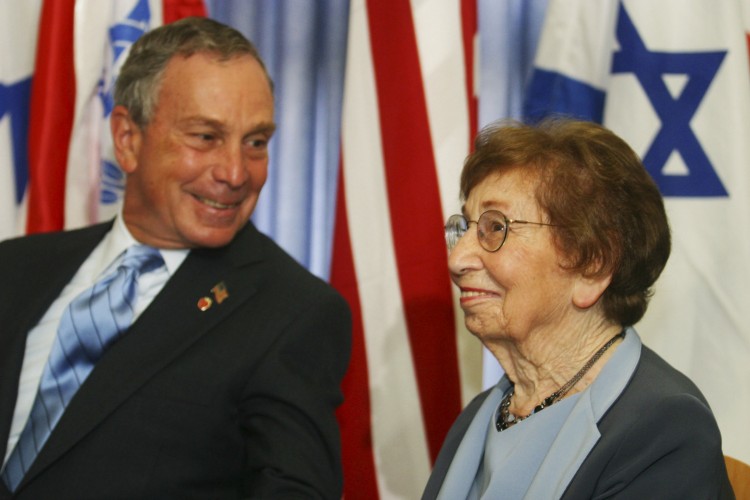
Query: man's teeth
{"x": 472, "y": 293}
{"x": 216, "y": 204}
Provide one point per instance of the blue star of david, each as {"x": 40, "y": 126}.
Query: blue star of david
{"x": 675, "y": 114}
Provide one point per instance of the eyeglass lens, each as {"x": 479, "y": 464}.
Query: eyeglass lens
{"x": 455, "y": 228}
{"x": 491, "y": 230}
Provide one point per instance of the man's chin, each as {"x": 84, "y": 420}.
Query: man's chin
{"x": 214, "y": 237}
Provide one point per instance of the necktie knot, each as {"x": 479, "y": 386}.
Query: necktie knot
{"x": 141, "y": 259}
{"x": 136, "y": 260}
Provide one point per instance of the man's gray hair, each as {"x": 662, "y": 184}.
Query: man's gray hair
{"x": 138, "y": 84}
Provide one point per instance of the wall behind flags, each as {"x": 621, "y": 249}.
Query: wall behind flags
{"x": 377, "y": 103}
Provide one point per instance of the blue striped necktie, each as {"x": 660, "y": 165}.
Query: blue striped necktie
{"x": 92, "y": 322}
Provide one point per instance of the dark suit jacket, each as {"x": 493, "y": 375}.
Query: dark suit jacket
{"x": 658, "y": 440}
{"x": 236, "y": 401}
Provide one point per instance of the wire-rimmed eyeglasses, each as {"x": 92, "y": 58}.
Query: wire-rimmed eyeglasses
{"x": 492, "y": 229}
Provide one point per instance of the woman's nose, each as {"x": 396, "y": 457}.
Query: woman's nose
{"x": 465, "y": 255}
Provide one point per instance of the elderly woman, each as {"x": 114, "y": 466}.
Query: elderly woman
{"x": 562, "y": 235}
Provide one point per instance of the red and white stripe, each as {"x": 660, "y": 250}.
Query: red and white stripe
{"x": 405, "y": 133}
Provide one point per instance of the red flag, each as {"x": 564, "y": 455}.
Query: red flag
{"x": 52, "y": 106}
{"x": 354, "y": 414}
{"x": 177, "y": 9}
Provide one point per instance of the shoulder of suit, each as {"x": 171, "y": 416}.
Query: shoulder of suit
{"x": 45, "y": 245}
{"x": 671, "y": 381}
{"x": 93, "y": 233}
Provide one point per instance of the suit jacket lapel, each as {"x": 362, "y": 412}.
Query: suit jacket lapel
{"x": 459, "y": 476}
{"x": 44, "y": 275}
{"x": 171, "y": 324}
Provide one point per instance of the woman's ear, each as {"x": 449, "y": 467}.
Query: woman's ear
{"x": 588, "y": 289}
{"x": 126, "y": 138}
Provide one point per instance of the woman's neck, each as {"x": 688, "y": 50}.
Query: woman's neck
{"x": 544, "y": 361}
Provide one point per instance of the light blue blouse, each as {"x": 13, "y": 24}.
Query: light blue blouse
{"x": 526, "y": 443}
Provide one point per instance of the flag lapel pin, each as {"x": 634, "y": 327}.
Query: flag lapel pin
{"x": 220, "y": 292}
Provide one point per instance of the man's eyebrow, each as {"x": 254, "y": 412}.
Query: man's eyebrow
{"x": 201, "y": 120}
{"x": 264, "y": 128}
{"x": 267, "y": 128}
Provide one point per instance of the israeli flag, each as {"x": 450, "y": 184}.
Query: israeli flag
{"x": 672, "y": 78}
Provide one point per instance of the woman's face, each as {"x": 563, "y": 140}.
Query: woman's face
{"x": 519, "y": 289}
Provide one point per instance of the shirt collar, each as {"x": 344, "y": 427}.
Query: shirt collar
{"x": 119, "y": 239}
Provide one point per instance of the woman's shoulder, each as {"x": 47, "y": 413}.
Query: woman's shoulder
{"x": 654, "y": 378}
{"x": 658, "y": 439}
{"x": 659, "y": 400}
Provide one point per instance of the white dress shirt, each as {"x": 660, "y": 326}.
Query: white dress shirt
{"x": 41, "y": 338}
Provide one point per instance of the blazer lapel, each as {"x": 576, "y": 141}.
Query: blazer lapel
{"x": 170, "y": 325}
{"x": 44, "y": 274}
{"x": 459, "y": 477}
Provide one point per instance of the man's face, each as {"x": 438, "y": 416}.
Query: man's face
{"x": 196, "y": 170}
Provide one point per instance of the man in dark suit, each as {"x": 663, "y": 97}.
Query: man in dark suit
{"x": 226, "y": 383}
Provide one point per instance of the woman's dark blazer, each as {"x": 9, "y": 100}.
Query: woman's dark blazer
{"x": 658, "y": 440}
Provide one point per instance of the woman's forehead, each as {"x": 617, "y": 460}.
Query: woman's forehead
{"x": 504, "y": 190}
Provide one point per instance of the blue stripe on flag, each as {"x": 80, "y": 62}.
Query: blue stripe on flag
{"x": 15, "y": 104}
{"x": 553, "y": 93}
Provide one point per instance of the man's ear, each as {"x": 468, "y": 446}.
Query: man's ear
{"x": 588, "y": 289}
{"x": 126, "y": 138}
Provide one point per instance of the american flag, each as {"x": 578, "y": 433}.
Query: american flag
{"x": 407, "y": 126}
